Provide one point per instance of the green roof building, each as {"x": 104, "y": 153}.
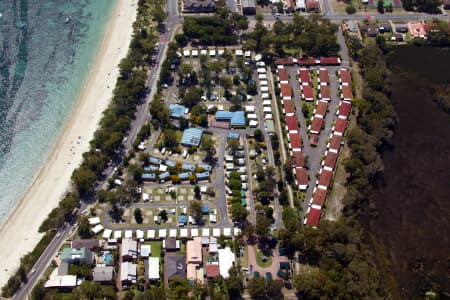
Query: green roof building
{"x": 71, "y": 255}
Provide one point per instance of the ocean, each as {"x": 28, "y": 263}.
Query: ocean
{"x": 47, "y": 49}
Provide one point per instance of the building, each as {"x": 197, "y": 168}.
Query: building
{"x": 323, "y": 78}
{"x": 330, "y": 61}
{"x": 344, "y": 109}
{"x": 417, "y": 30}
{"x": 171, "y": 244}
{"x": 212, "y": 271}
{"x": 303, "y": 76}
{"x": 103, "y": 274}
{"x": 291, "y": 124}
{"x": 236, "y": 118}
{"x": 312, "y": 5}
{"x": 62, "y": 282}
{"x": 226, "y": 261}
{"x": 299, "y": 160}
{"x": 199, "y": 6}
{"x": 347, "y": 93}
{"x": 286, "y": 91}
{"x": 295, "y": 143}
{"x": 146, "y": 250}
{"x": 128, "y": 273}
{"x": 248, "y": 7}
{"x": 321, "y": 108}
{"x": 344, "y": 77}
{"x": 325, "y": 178}
{"x": 307, "y": 93}
{"x": 340, "y": 126}
{"x": 301, "y": 178}
{"x": 129, "y": 249}
{"x": 88, "y": 243}
{"x": 319, "y": 197}
{"x": 72, "y": 255}
{"x": 288, "y": 107}
{"x": 175, "y": 267}
{"x": 335, "y": 143}
{"x": 283, "y": 76}
{"x": 316, "y": 125}
{"x": 192, "y": 137}
{"x": 153, "y": 268}
{"x": 325, "y": 93}
{"x": 300, "y": 5}
{"x": 330, "y": 161}
{"x": 306, "y": 61}
{"x": 177, "y": 111}
{"x": 313, "y": 217}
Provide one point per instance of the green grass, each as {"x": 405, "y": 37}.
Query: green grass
{"x": 156, "y": 248}
{"x": 261, "y": 263}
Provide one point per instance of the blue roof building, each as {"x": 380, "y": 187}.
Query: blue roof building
{"x": 184, "y": 176}
{"x": 154, "y": 160}
{"x": 148, "y": 176}
{"x": 192, "y": 137}
{"x": 188, "y": 167}
{"x": 182, "y": 220}
{"x": 164, "y": 175}
{"x": 236, "y": 118}
{"x": 170, "y": 163}
{"x": 202, "y": 176}
{"x": 151, "y": 168}
{"x": 205, "y": 167}
{"x": 205, "y": 209}
{"x": 233, "y": 135}
{"x": 177, "y": 111}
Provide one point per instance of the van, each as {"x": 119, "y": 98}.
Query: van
{"x": 163, "y": 151}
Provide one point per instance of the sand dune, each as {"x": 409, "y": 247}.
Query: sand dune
{"x": 18, "y": 235}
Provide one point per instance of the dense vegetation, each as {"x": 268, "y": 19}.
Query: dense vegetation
{"x": 428, "y": 6}
{"x": 312, "y": 36}
{"x": 218, "y": 29}
{"x": 129, "y": 91}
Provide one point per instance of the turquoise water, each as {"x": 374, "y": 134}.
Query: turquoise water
{"x": 44, "y": 59}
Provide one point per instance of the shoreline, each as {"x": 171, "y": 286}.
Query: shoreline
{"x": 18, "y": 233}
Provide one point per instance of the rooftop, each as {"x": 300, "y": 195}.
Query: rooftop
{"x": 301, "y": 176}
{"x": 236, "y": 118}
{"x": 331, "y": 159}
{"x": 307, "y": 92}
{"x": 345, "y": 75}
{"x": 347, "y": 93}
{"x": 325, "y": 178}
{"x": 323, "y": 75}
{"x": 286, "y": 90}
{"x": 212, "y": 271}
{"x": 325, "y": 92}
{"x": 291, "y": 122}
{"x": 316, "y": 125}
{"x": 313, "y": 217}
{"x": 176, "y": 267}
{"x": 176, "y": 110}
{"x": 340, "y": 125}
{"x": 299, "y": 160}
{"x": 295, "y": 141}
{"x": 282, "y": 74}
{"x": 192, "y": 137}
{"x": 321, "y": 108}
{"x": 319, "y": 197}
{"x": 306, "y": 61}
{"x": 344, "y": 109}
{"x": 303, "y": 75}
{"x": 335, "y": 142}
{"x": 289, "y": 106}
{"x": 103, "y": 274}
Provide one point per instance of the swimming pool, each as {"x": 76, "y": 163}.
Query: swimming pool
{"x": 108, "y": 258}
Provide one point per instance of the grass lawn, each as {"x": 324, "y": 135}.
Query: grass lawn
{"x": 156, "y": 248}
{"x": 263, "y": 264}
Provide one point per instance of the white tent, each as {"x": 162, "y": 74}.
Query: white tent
{"x": 184, "y": 232}
{"x": 194, "y": 232}
{"x": 162, "y": 233}
{"x": 212, "y": 52}
{"x": 205, "y": 232}
{"x": 186, "y": 53}
{"x": 151, "y": 234}
{"x": 139, "y": 234}
{"x": 227, "y": 232}
{"x": 173, "y": 233}
{"x": 216, "y": 232}
{"x": 98, "y": 228}
{"x": 94, "y": 221}
{"x": 118, "y": 234}
{"x": 107, "y": 234}
{"x": 128, "y": 234}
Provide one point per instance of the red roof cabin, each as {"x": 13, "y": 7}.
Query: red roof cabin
{"x": 284, "y": 61}
{"x": 325, "y": 179}
{"x": 306, "y": 61}
{"x": 319, "y": 197}
{"x": 291, "y": 124}
{"x": 344, "y": 109}
{"x": 295, "y": 143}
{"x": 299, "y": 160}
{"x": 312, "y": 5}
{"x": 330, "y": 161}
{"x": 344, "y": 77}
{"x": 330, "y": 61}
{"x": 339, "y": 127}
{"x": 316, "y": 125}
{"x": 212, "y": 271}
{"x": 283, "y": 76}
{"x": 286, "y": 91}
{"x": 324, "y": 93}
{"x": 313, "y": 217}
{"x": 303, "y": 76}
{"x": 288, "y": 107}
{"x": 321, "y": 109}
{"x": 307, "y": 93}
{"x": 347, "y": 93}
{"x": 335, "y": 143}
{"x": 323, "y": 78}
{"x": 301, "y": 178}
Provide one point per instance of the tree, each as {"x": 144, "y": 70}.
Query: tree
{"x": 158, "y": 14}
{"x": 84, "y": 231}
{"x": 380, "y": 6}
{"x": 138, "y": 215}
{"x": 258, "y": 135}
{"x": 192, "y": 97}
{"x": 233, "y": 145}
{"x": 262, "y": 227}
{"x": 84, "y": 180}
{"x": 163, "y": 215}
{"x": 185, "y": 70}
{"x": 238, "y": 212}
{"x": 170, "y": 139}
{"x": 195, "y": 210}
{"x": 350, "y": 9}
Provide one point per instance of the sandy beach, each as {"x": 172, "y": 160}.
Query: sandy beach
{"x": 18, "y": 235}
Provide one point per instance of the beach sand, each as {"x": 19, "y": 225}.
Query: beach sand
{"x": 18, "y": 235}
